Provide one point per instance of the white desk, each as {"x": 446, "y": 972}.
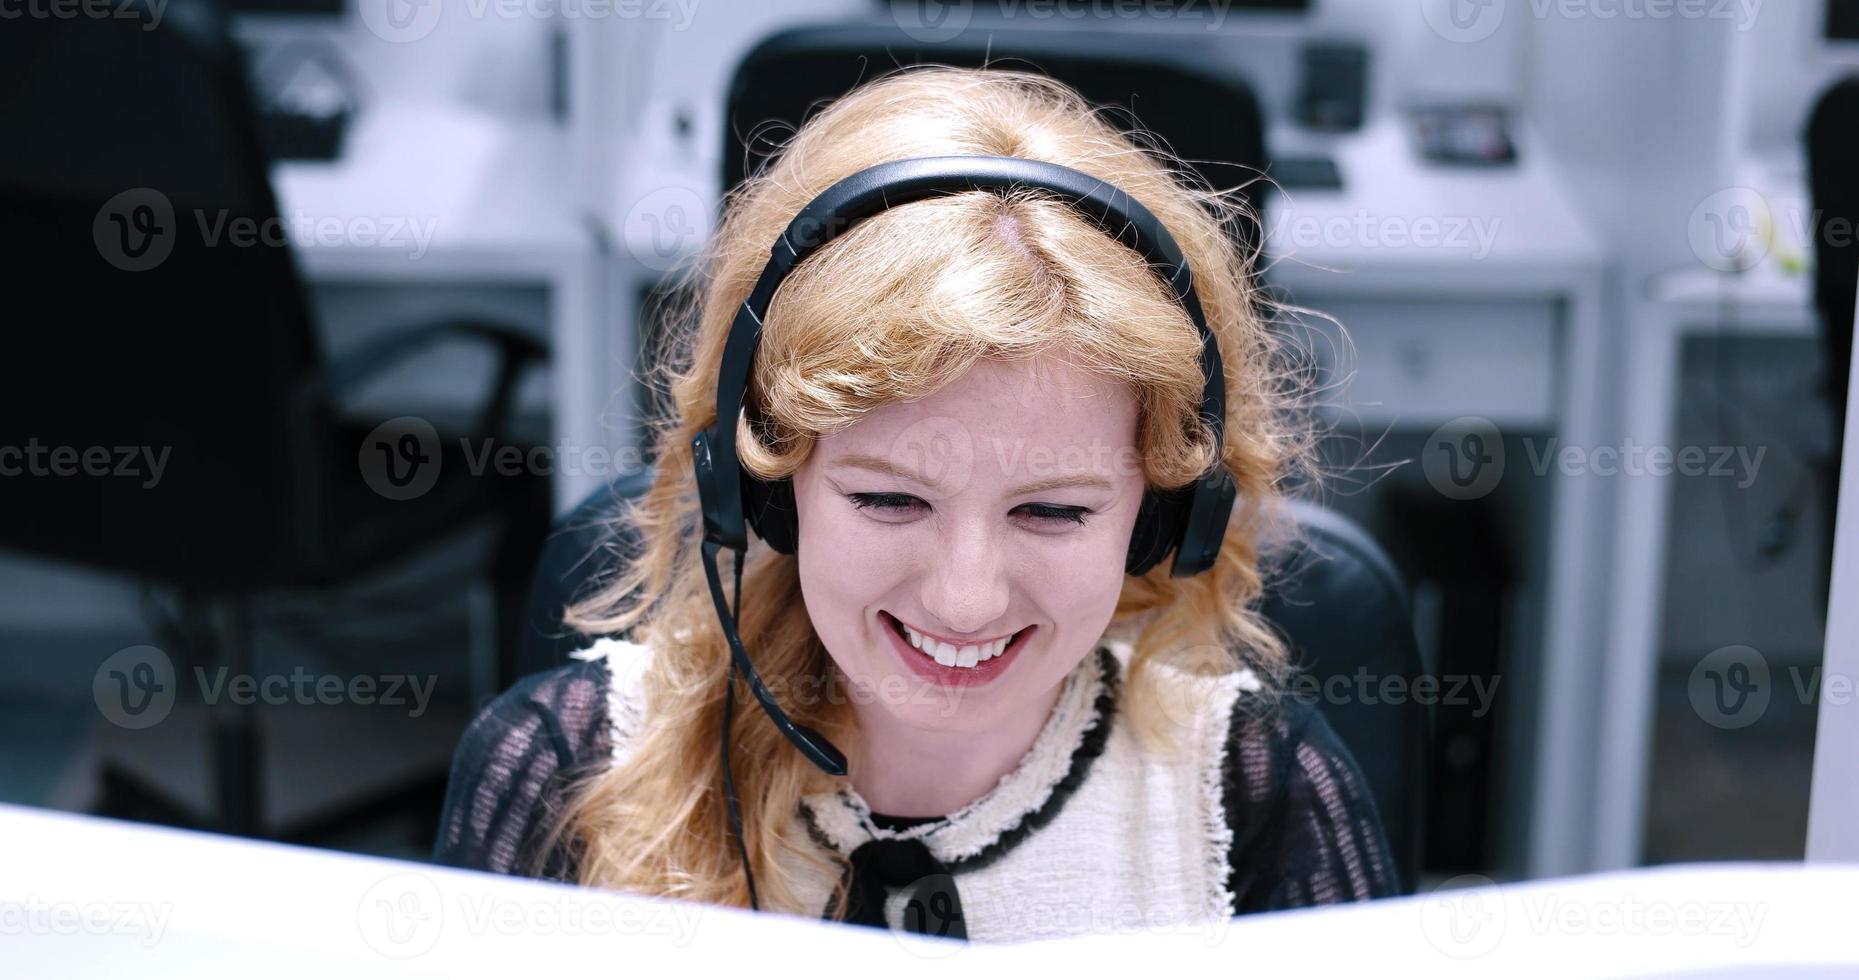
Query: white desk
{"x": 1479, "y": 292}
{"x": 89, "y": 897}
{"x": 1765, "y": 300}
{"x": 442, "y": 194}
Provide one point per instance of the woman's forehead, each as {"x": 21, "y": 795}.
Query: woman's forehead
{"x": 1000, "y": 416}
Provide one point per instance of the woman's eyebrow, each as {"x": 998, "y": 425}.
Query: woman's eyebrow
{"x": 879, "y": 464}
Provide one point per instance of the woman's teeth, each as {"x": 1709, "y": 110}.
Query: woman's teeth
{"x": 953, "y": 656}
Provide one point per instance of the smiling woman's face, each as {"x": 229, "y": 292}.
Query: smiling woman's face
{"x": 998, "y": 509}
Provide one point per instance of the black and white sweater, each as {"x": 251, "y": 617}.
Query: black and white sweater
{"x": 1090, "y": 831}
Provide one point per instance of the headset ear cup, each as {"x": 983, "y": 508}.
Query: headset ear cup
{"x": 769, "y": 505}
{"x": 1147, "y": 543}
{"x": 1204, "y": 523}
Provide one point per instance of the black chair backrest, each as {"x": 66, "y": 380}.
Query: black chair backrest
{"x": 1335, "y": 596}
{"x": 1833, "y": 178}
{"x": 1176, "y": 86}
{"x": 140, "y": 320}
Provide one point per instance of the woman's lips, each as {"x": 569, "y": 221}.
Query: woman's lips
{"x": 926, "y": 667}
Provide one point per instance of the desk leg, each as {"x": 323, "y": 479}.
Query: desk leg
{"x": 1573, "y": 669}
{"x": 1638, "y": 585}
{"x": 585, "y": 353}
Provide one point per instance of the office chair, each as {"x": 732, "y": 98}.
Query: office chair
{"x": 1179, "y": 87}
{"x": 1832, "y": 140}
{"x": 1334, "y": 595}
{"x": 132, "y": 323}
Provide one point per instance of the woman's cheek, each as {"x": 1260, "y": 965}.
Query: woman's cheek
{"x": 849, "y": 546}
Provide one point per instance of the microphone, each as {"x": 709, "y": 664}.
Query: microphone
{"x": 812, "y": 744}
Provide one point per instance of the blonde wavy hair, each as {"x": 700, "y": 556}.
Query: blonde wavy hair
{"x": 891, "y": 311}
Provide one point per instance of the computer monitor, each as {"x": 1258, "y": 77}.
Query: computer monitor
{"x": 1835, "y": 790}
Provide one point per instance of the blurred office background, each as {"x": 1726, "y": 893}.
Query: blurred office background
{"x": 1569, "y": 239}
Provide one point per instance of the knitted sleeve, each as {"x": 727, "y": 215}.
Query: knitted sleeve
{"x": 1305, "y": 828}
{"x": 511, "y": 769}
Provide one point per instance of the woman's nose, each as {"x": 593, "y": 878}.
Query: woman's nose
{"x": 967, "y": 587}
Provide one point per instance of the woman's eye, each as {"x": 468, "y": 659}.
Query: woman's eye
{"x": 902, "y": 503}
{"x": 1052, "y": 513}
{"x": 890, "y": 503}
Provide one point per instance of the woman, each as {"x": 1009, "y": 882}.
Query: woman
{"x": 970, "y": 395}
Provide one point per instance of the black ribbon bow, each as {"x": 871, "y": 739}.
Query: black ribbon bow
{"x": 932, "y": 907}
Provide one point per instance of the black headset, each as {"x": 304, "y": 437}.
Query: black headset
{"x": 1191, "y": 521}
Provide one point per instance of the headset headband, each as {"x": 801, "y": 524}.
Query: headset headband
{"x": 888, "y": 185}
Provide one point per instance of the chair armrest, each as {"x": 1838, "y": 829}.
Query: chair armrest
{"x": 516, "y": 351}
